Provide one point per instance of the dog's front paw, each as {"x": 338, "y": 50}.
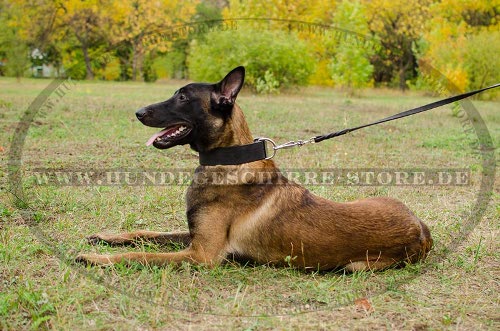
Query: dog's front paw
{"x": 94, "y": 259}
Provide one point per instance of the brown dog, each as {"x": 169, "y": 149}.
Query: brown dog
{"x": 249, "y": 209}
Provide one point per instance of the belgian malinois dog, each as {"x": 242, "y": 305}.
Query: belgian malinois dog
{"x": 257, "y": 214}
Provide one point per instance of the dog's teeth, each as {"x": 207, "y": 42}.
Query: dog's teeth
{"x": 177, "y": 133}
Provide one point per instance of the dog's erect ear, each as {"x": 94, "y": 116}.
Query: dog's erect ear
{"x": 229, "y": 87}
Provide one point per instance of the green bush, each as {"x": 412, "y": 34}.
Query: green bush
{"x": 350, "y": 66}
{"x": 272, "y": 59}
{"x": 268, "y": 84}
{"x": 482, "y": 62}
{"x": 74, "y": 65}
{"x": 175, "y": 63}
{"x": 148, "y": 71}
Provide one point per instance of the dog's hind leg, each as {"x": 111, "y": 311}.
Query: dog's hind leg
{"x": 136, "y": 237}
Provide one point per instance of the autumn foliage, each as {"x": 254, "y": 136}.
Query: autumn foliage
{"x": 348, "y": 44}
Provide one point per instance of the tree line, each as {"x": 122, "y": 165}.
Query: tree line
{"x": 350, "y": 44}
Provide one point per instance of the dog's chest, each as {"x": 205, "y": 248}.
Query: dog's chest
{"x": 247, "y": 228}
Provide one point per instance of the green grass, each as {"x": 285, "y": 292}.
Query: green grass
{"x": 93, "y": 127}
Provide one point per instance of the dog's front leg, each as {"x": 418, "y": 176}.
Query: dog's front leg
{"x": 132, "y": 238}
{"x": 208, "y": 246}
{"x": 159, "y": 259}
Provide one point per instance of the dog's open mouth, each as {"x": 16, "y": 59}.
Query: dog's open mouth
{"x": 165, "y": 137}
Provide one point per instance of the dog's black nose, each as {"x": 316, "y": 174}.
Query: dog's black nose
{"x": 141, "y": 113}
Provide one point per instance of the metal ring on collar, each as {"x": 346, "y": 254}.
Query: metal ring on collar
{"x": 273, "y": 146}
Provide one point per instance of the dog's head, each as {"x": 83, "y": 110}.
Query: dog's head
{"x": 195, "y": 114}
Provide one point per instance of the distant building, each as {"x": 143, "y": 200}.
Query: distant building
{"x": 40, "y": 69}
{"x": 46, "y": 71}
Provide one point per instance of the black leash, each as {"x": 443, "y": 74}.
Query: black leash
{"x": 257, "y": 151}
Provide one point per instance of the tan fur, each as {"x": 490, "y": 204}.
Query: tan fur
{"x": 262, "y": 216}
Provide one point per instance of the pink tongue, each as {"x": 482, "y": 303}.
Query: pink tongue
{"x": 156, "y": 135}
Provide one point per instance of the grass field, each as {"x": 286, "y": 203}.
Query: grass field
{"x": 93, "y": 128}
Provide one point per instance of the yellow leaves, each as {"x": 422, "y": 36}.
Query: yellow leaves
{"x": 458, "y": 76}
{"x": 447, "y": 33}
{"x": 142, "y": 21}
{"x": 455, "y": 74}
{"x": 111, "y": 71}
{"x": 402, "y": 17}
{"x": 300, "y": 10}
{"x": 75, "y": 6}
{"x": 322, "y": 75}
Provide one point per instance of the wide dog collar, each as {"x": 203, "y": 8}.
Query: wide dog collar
{"x": 235, "y": 154}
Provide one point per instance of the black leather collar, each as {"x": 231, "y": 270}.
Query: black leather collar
{"x": 235, "y": 154}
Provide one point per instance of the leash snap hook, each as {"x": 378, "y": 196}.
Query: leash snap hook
{"x": 293, "y": 143}
{"x": 289, "y": 144}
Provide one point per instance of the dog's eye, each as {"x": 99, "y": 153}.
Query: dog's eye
{"x": 182, "y": 97}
